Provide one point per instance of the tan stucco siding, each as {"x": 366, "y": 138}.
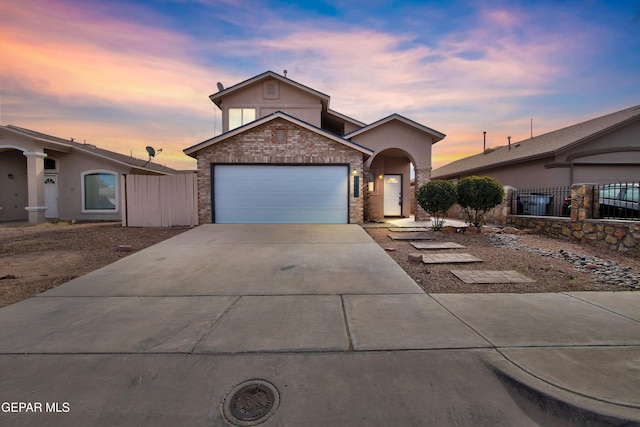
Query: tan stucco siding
{"x": 399, "y": 135}
{"x": 533, "y": 174}
{"x": 350, "y": 127}
{"x": 258, "y": 146}
{"x": 13, "y": 185}
{"x": 291, "y": 100}
{"x": 600, "y": 174}
{"x": 71, "y": 166}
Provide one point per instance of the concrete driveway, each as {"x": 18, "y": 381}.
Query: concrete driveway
{"x": 323, "y": 327}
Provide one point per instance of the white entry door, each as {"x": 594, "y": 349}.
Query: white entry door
{"x": 392, "y": 195}
{"x": 51, "y": 196}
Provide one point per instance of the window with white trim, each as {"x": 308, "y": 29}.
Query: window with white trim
{"x": 241, "y": 116}
{"x": 99, "y": 192}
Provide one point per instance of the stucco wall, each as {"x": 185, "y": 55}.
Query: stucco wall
{"x": 258, "y": 146}
{"x": 531, "y": 174}
{"x": 395, "y": 134}
{"x": 70, "y": 169}
{"x": 13, "y": 186}
{"x": 291, "y": 100}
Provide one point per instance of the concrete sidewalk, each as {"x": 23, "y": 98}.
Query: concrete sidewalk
{"x": 324, "y": 315}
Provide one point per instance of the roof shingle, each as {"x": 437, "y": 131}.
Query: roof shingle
{"x": 539, "y": 146}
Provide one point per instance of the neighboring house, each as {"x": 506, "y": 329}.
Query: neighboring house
{"x": 601, "y": 150}
{"x": 43, "y": 177}
{"x": 285, "y": 157}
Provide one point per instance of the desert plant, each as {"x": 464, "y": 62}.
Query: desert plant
{"x": 436, "y": 197}
{"x": 476, "y": 196}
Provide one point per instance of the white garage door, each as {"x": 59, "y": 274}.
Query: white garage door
{"x": 280, "y": 194}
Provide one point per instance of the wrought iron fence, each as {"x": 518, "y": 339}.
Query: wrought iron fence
{"x": 617, "y": 201}
{"x": 553, "y": 201}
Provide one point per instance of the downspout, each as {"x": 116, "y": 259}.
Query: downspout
{"x": 126, "y": 202}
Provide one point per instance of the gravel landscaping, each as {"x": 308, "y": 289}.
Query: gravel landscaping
{"x": 555, "y": 265}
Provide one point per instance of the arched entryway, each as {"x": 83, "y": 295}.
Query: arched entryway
{"x": 388, "y": 175}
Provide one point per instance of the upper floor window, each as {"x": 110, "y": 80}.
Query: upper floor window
{"x": 241, "y": 116}
{"x": 99, "y": 191}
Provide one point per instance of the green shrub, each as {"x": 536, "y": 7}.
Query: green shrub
{"x": 436, "y": 197}
{"x": 478, "y": 195}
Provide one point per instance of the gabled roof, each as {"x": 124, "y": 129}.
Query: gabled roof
{"x": 437, "y": 136}
{"x": 540, "y": 146}
{"x": 216, "y": 98}
{"x": 67, "y": 146}
{"x": 277, "y": 115}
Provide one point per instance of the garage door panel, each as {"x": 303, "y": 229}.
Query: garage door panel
{"x": 280, "y": 194}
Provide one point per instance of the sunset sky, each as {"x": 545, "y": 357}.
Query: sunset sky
{"x": 126, "y": 74}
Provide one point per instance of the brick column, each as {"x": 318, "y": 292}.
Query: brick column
{"x": 423, "y": 175}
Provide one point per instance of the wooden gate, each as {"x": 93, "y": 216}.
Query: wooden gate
{"x": 159, "y": 201}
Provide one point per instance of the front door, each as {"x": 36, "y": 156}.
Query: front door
{"x": 392, "y": 195}
{"x": 51, "y": 196}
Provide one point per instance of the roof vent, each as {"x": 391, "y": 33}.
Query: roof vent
{"x": 270, "y": 89}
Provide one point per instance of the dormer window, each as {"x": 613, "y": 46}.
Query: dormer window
{"x": 241, "y": 116}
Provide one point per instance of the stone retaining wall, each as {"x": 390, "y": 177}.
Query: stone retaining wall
{"x": 615, "y": 235}
{"x": 497, "y": 215}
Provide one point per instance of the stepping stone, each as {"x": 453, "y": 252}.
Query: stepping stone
{"x": 411, "y": 236}
{"x": 491, "y": 276}
{"x": 437, "y": 245}
{"x": 407, "y": 229}
{"x": 449, "y": 258}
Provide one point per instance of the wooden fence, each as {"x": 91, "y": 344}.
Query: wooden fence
{"x": 159, "y": 201}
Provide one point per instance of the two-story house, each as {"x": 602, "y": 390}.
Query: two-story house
{"x": 285, "y": 157}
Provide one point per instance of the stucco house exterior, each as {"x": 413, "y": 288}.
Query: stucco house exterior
{"x": 43, "y": 177}
{"x": 285, "y": 157}
{"x": 602, "y": 150}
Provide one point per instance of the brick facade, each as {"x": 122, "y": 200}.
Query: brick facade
{"x": 422, "y": 176}
{"x": 263, "y": 145}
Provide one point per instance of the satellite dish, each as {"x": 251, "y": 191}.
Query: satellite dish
{"x": 220, "y": 87}
{"x": 151, "y": 151}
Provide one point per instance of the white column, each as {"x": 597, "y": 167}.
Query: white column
{"x": 35, "y": 186}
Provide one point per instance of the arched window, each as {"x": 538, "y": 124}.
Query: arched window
{"x": 50, "y": 164}
{"x": 99, "y": 192}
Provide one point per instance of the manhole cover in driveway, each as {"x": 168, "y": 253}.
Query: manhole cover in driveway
{"x": 251, "y": 403}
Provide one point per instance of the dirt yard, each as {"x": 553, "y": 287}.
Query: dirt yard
{"x": 36, "y": 258}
